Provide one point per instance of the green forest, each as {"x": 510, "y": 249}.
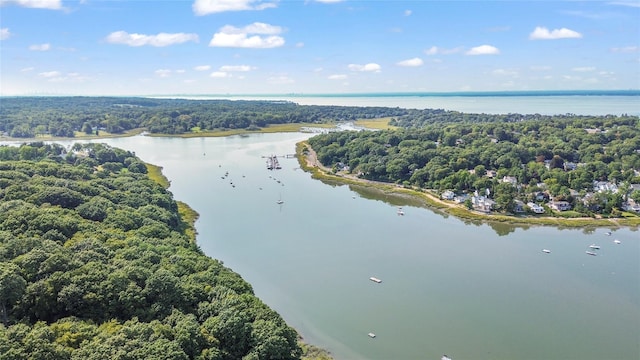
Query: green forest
{"x": 28, "y": 117}
{"x": 511, "y": 157}
{"x": 96, "y": 262}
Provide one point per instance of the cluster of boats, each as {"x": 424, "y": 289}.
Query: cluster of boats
{"x": 592, "y": 248}
{"x": 272, "y": 163}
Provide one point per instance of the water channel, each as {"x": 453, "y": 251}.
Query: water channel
{"x": 468, "y": 290}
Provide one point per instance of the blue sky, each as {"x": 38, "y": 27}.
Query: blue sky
{"x": 143, "y": 47}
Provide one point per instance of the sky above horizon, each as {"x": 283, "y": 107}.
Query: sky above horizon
{"x": 119, "y": 47}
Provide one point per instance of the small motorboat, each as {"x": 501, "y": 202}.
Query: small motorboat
{"x": 371, "y": 335}
{"x": 591, "y": 253}
{"x": 375, "y": 279}
{"x": 616, "y": 241}
{"x": 546, "y": 251}
{"x": 594, "y": 247}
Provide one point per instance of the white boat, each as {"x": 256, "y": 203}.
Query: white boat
{"x": 594, "y": 247}
{"x": 591, "y": 253}
{"x": 280, "y": 201}
{"x": 616, "y": 241}
{"x": 546, "y": 251}
{"x": 375, "y": 279}
{"x": 371, "y": 335}
{"x": 608, "y": 233}
{"x": 445, "y": 357}
{"x": 400, "y": 212}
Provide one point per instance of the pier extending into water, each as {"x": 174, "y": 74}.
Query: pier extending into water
{"x": 273, "y": 163}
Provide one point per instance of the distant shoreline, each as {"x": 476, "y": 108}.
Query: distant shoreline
{"x": 628, "y": 92}
{"x": 592, "y": 92}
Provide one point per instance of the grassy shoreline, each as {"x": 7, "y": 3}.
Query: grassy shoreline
{"x": 308, "y": 162}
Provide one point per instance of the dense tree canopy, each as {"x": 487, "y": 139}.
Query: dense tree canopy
{"x": 95, "y": 264}
{"x": 562, "y": 156}
{"x": 61, "y": 116}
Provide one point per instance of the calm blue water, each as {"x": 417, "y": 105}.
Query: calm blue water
{"x": 469, "y": 290}
{"x": 544, "y": 102}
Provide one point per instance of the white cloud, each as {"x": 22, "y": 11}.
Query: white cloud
{"x": 27, "y": 69}
{"x": 483, "y": 50}
{"x": 626, "y": 3}
{"x": 230, "y": 36}
{"x": 50, "y": 74}
{"x": 407, "y": 13}
{"x": 370, "y": 67}
{"x": 220, "y": 74}
{"x": 255, "y": 28}
{"x": 40, "y": 47}
{"x": 159, "y": 40}
{"x": 542, "y": 33}
{"x": 205, "y": 7}
{"x": 434, "y": 50}
{"x": 411, "y": 62}
{"x": 337, "y": 77}
{"x": 241, "y": 68}
{"x": 202, "y": 68}
{"x": 35, "y": 4}
{"x": 56, "y": 76}
{"x": 4, "y": 33}
{"x": 584, "y": 69}
{"x": 163, "y": 73}
{"x": 329, "y": 1}
{"x": 626, "y": 49}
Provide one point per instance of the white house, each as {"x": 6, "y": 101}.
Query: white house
{"x": 535, "y": 208}
{"x": 448, "y": 195}
{"x": 510, "y": 179}
{"x": 560, "y": 205}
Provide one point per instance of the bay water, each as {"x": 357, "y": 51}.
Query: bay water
{"x": 544, "y": 103}
{"x": 466, "y": 289}
{"x": 471, "y": 290}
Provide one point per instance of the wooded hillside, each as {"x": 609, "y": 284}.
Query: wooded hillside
{"x": 95, "y": 264}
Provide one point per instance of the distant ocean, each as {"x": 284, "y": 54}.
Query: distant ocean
{"x": 593, "y": 102}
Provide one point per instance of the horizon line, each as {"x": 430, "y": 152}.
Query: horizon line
{"x": 623, "y": 92}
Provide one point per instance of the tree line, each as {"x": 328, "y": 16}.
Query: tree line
{"x": 95, "y": 264}
{"x": 27, "y": 117}
{"x": 561, "y": 156}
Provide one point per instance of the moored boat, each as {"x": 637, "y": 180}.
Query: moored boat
{"x": 591, "y": 253}
{"x": 375, "y": 279}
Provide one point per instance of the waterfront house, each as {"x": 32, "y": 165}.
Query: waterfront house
{"x": 560, "y": 205}
{"x": 448, "y": 195}
{"x": 535, "y": 208}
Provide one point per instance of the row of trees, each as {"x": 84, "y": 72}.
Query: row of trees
{"x": 61, "y": 116}
{"x": 95, "y": 264}
{"x": 458, "y": 156}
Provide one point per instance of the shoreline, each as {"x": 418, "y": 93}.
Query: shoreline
{"x": 308, "y": 162}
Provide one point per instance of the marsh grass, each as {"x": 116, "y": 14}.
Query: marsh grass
{"x": 377, "y": 124}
